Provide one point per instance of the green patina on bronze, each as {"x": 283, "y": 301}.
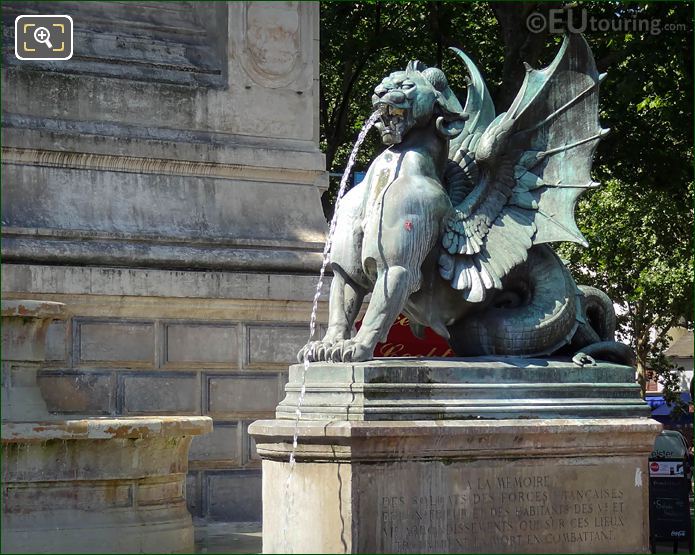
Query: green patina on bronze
{"x": 487, "y": 388}
{"x": 452, "y": 223}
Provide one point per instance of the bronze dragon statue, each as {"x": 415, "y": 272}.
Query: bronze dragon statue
{"x": 452, "y": 222}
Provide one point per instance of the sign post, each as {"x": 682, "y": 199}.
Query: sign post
{"x": 669, "y": 510}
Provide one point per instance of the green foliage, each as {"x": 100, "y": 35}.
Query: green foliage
{"x": 639, "y": 223}
{"x": 640, "y": 254}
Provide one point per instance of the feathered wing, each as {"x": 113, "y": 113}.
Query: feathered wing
{"x": 533, "y": 162}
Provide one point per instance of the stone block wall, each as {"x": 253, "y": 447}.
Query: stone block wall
{"x": 165, "y": 185}
{"x": 173, "y": 346}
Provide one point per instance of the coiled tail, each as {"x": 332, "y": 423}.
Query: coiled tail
{"x": 537, "y": 313}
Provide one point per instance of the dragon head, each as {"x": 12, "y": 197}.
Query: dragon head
{"x": 414, "y": 98}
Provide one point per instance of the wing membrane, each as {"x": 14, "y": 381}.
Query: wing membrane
{"x": 533, "y": 162}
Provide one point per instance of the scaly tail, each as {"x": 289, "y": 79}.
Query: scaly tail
{"x": 538, "y": 312}
{"x": 595, "y": 336}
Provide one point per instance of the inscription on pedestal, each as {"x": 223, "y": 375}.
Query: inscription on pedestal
{"x": 522, "y": 509}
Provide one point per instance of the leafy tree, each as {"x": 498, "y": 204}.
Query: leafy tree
{"x": 640, "y": 254}
{"x": 639, "y": 222}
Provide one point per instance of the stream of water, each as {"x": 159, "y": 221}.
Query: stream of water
{"x": 314, "y": 309}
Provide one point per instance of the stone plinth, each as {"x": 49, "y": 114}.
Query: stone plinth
{"x": 24, "y": 327}
{"x": 478, "y": 457}
{"x": 482, "y": 387}
{"x": 98, "y": 485}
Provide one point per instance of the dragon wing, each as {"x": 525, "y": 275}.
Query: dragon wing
{"x": 533, "y": 161}
{"x": 462, "y": 172}
{"x": 479, "y": 108}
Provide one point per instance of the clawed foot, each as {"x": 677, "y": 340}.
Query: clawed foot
{"x": 347, "y": 350}
{"x": 313, "y": 351}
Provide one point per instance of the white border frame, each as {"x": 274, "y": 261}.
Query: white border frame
{"x": 72, "y": 37}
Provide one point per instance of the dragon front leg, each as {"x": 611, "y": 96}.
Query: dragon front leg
{"x": 391, "y": 290}
{"x": 344, "y": 304}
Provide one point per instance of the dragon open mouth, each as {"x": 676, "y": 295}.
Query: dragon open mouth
{"x": 392, "y": 123}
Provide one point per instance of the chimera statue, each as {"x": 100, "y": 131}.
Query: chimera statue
{"x": 451, "y": 225}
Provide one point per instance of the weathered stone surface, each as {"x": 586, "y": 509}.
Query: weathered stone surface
{"x": 270, "y": 344}
{"x": 193, "y": 494}
{"x": 221, "y": 446}
{"x": 98, "y": 485}
{"x": 202, "y": 343}
{"x": 174, "y": 298}
{"x": 168, "y": 175}
{"x": 247, "y": 394}
{"x": 38, "y": 279}
{"x": 125, "y": 343}
{"x": 25, "y": 324}
{"x": 225, "y": 492}
{"x": 179, "y": 48}
{"x": 24, "y": 327}
{"x": 172, "y": 394}
{"x": 180, "y": 177}
{"x": 482, "y": 387}
{"x": 250, "y": 452}
{"x": 135, "y": 427}
{"x": 504, "y": 486}
{"x": 150, "y": 208}
{"x": 89, "y": 484}
{"x": 56, "y": 341}
{"x": 74, "y": 393}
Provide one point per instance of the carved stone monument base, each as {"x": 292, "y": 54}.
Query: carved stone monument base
{"x": 457, "y": 484}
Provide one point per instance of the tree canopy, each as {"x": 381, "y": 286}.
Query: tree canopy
{"x": 639, "y": 222}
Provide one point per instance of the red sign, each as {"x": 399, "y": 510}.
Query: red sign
{"x": 401, "y": 342}
{"x": 654, "y": 467}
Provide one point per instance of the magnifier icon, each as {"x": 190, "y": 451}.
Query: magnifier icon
{"x": 42, "y": 35}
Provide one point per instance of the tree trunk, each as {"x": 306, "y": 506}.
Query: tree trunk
{"x": 641, "y": 357}
{"x": 520, "y": 45}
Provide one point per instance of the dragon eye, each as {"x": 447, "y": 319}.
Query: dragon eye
{"x": 407, "y": 85}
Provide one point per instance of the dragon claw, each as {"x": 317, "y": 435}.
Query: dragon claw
{"x": 310, "y": 352}
{"x": 351, "y": 351}
{"x": 582, "y": 359}
{"x": 333, "y": 353}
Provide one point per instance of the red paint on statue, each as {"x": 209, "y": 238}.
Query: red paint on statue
{"x": 401, "y": 342}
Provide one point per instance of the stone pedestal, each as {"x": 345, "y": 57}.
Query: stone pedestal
{"x": 24, "y": 327}
{"x": 86, "y": 484}
{"x": 98, "y": 485}
{"x": 478, "y": 456}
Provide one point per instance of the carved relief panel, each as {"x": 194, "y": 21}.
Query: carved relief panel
{"x": 273, "y": 43}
